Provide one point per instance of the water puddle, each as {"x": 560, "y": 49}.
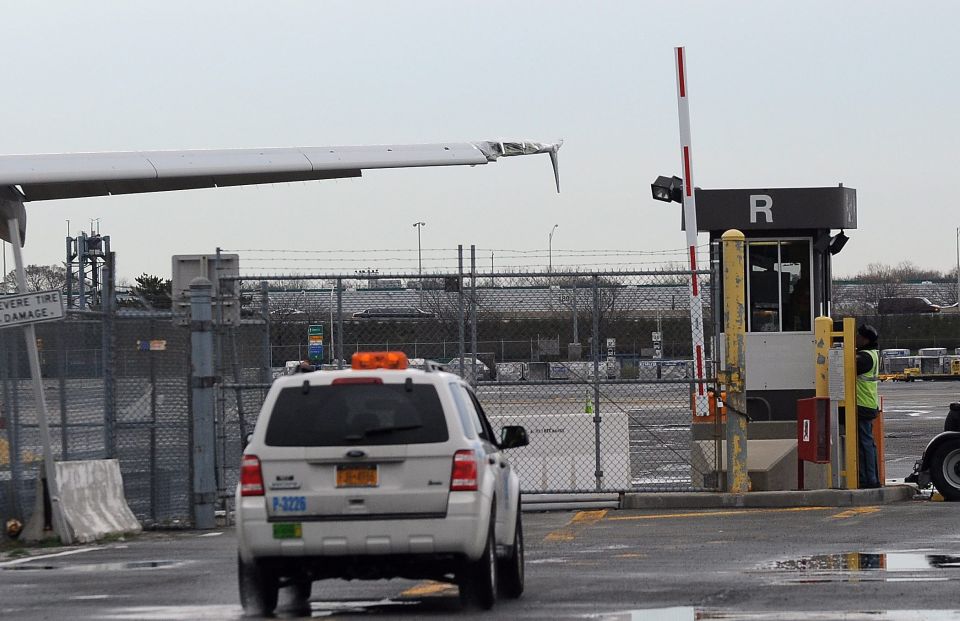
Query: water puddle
{"x": 96, "y": 567}
{"x": 858, "y": 561}
{"x": 689, "y": 613}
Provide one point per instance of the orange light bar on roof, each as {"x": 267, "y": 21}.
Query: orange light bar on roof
{"x": 396, "y": 360}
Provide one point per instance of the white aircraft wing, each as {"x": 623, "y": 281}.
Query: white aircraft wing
{"x": 74, "y": 175}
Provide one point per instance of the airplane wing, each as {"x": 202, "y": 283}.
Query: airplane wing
{"x": 75, "y": 175}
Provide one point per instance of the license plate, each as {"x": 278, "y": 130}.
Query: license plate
{"x": 358, "y": 476}
{"x": 288, "y": 530}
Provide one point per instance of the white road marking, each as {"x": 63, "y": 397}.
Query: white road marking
{"x": 210, "y": 534}
{"x": 29, "y": 559}
{"x": 174, "y": 613}
{"x": 91, "y": 597}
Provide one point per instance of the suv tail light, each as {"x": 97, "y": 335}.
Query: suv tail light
{"x": 251, "y": 478}
{"x": 464, "y": 476}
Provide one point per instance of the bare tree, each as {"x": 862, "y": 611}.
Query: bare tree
{"x": 39, "y": 278}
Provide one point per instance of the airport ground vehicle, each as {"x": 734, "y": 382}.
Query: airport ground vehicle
{"x": 377, "y": 471}
{"x": 893, "y": 306}
{"x": 394, "y": 313}
{"x": 940, "y": 463}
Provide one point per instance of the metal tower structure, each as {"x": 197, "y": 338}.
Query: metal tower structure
{"x": 89, "y": 265}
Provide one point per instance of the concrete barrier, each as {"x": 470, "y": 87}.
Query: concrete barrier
{"x": 92, "y": 501}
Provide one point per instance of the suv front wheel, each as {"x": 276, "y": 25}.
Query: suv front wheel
{"x": 258, "y": 588}
{"x": 478, "y": 579}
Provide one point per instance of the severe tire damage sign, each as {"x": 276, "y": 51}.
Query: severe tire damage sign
{"x": 34, "y": 307}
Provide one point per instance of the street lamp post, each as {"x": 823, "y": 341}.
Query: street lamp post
{"x": 418, "y": 226}
{"x": 550, "y": 249}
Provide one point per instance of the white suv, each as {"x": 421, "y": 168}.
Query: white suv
{"x": 378, "y": 471}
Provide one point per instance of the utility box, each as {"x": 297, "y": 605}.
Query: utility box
{"x": 220, "y": 271}
{"x": 813, "y": 430}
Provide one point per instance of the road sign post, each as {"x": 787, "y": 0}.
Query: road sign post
{"x": 25, "y": 310}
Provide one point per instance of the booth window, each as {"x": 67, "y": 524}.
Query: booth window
{"x": 779, "y": 286}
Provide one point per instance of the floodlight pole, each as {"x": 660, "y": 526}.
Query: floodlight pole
{"x": 690, "y": 224}
{"x": 418, "y": 226}
{"x": 49, "y": 468}
{"x": 550, "y": 248}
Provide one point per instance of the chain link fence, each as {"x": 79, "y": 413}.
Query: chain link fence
{"x": 131, "y": 404}
{"x": 598, "y": 367}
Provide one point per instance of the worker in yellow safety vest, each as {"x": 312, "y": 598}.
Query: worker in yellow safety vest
{"x": 868, "y": 403}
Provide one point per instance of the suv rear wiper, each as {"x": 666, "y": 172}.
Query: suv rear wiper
{"x": 379, "y": 430}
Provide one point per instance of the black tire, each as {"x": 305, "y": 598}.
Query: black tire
{"x": 478, "y": 579}
{"x": 945, "y": 470}
{"x": 258, "y": 589}
{"x": 300, "y": 598}
{"x": 511, "y": 569}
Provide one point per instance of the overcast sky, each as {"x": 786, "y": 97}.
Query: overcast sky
{"x": 782, "y": 94}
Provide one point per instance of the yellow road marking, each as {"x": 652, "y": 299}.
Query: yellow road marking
{"x": 713, "y": 513}
{"x": 855, "y": 512}
{"x": 580, "y": 519}
{"x": 588, "y": 518}
{"x": 429, "y": 588}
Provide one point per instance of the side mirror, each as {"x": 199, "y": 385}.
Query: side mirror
{"x": 513, "y": 436}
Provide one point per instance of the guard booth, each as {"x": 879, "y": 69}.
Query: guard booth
{"x": 790, "y": 241}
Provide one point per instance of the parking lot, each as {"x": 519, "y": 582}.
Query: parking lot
{"x": 791, "y": 563}
{"x": 913, "y": 414}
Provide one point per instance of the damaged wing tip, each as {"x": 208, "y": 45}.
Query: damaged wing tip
{"x": 555, "y": 164}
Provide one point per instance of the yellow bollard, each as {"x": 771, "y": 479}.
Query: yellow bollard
{"x": 850, "y": 401}
{"x": 734, "y": 373}
{"x": 822, "y": 330}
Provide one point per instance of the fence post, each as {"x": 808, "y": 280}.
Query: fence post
{"x": 154, "y": 488}
{"x": 13, "y": 422}
{"x": 266, "y": 375}
{"x": 716, "y": 288}
{"x": 62, "y": 388}
{"x": 735, "y": 321}
{"x": 204, "y": 443}
{"x": 107, "y": 360}
{"x": 598, "y": 473}
{"x": 460, "y": 342}
{"x": 473, "y": 313}
{"x": 339, "y": 342}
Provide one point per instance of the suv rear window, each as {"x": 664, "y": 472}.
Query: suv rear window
{"x": 357, "y": 414}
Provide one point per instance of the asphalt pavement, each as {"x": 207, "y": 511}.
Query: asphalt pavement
{"x": 896, "y": 561}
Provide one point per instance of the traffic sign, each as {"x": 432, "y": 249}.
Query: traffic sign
{"x": 27, "y": 308}
{"x": 315, "y": 342}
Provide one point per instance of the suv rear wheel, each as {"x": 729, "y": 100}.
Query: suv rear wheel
{"x": 510, "y": 570}
{"x": 478, "y": 579}
{"x": 258, "y": 588}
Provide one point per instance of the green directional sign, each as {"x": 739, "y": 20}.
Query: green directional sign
{"x": 315, "y": 343}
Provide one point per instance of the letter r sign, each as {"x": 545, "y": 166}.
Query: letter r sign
{"x": 761, "y": 204}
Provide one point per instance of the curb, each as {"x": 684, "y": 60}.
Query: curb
{"x": 771, "y": 500}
